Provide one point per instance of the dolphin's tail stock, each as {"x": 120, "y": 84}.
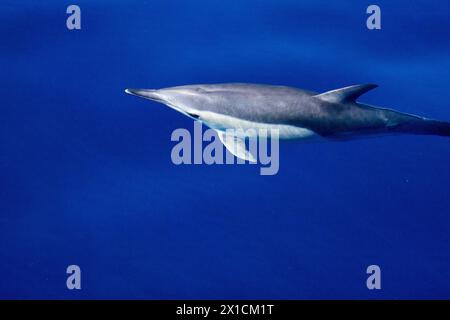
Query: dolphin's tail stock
{"x": 424, "y": 126}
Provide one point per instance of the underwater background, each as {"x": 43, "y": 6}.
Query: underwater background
{"x": 86, "y": 176}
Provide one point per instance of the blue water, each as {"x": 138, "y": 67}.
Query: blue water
{"x": 86, "y": 176}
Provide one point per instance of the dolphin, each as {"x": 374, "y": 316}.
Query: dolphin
{"x": 294, "y": 113}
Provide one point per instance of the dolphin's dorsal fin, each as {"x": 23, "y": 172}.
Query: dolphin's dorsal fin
{"x": 236, "y": 146}
{"x": 347, "y": 94}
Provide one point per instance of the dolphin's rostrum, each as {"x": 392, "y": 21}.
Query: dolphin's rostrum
{"x": 294, "y": 112}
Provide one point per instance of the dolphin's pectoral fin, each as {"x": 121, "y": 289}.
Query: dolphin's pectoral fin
{"x": 236, "y": 146}
{"x": 347, "y": 94}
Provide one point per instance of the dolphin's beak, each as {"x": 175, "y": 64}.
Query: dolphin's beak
{"x": 161, "y": 97}
{"x": 131, "y": 91}
{"x": 146, "y": 94}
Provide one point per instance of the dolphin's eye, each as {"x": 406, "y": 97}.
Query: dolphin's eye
{"x": 193, "y": 115}
{"x": 200, "y": 90}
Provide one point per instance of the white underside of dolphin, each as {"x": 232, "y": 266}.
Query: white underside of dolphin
{"x": 232, "y": 132}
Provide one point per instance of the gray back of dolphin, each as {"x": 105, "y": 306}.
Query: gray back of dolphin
{"x": 332, "y": 114}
